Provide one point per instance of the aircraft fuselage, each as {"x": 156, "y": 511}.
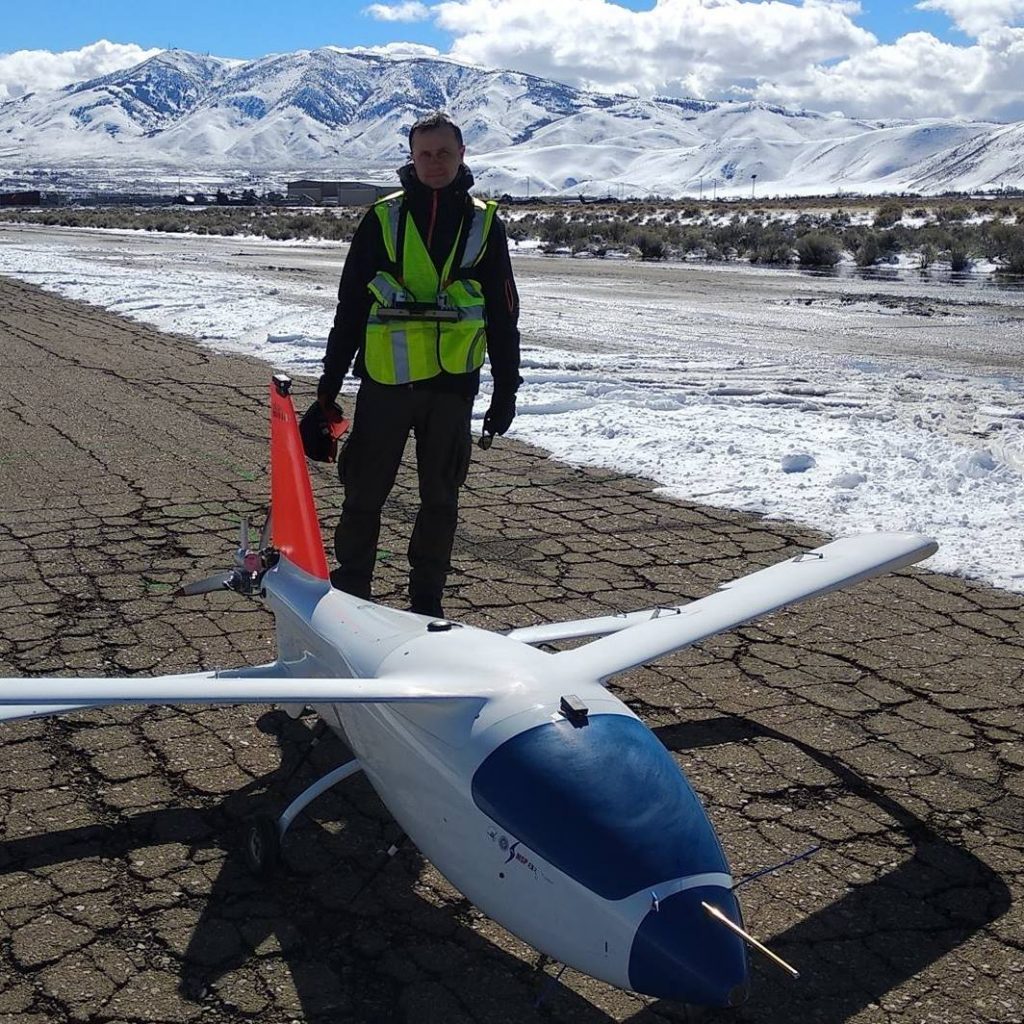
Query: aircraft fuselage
{"x": 577, "y": 832}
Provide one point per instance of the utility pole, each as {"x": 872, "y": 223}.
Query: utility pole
{"x": 701, "y": 179}
{"x": 753, "y": 182}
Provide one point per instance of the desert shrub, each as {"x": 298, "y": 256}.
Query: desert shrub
{"x": 690, "y": 240}
{"x": 938, "y": 237}
{"x": 1006, "y": 247}
{"x": 277, "y": 231}
{"x": 817, "y": 249}
{"x": 730, "y": 239}
{"x": 516, "y": 230}
{"x": 809, "y": 222}
{"x": 760, "y": 241}
{"x": 772, "y": 247}
{"x": 818, "y": 239}
{"x": 224, "y": 221}
{"x": 900, "y": 238}
{"x": 852, "y": 238}
{"x": 869, "y": 251}
{"x": 959, "y": 258}
{"x": 555, "y": 231}
{"x": 888, "y": 214}
{"x": 872, "y": 241}
{"x": 650, "y": 243}
{"x": 957, "y": 212}
{"x": 615, "y": 231}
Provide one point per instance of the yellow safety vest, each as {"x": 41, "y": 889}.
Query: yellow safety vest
{"x": 422, "y": 322}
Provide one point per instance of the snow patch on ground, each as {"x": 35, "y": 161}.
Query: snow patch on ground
{"x": 658, "y": 390}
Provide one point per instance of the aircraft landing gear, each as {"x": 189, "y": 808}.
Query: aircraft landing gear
{"x": 263, "y": 846}
{"x": 263, "y": 841}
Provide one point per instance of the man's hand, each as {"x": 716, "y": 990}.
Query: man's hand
{"x": 321, "y": 431}
{"x": 502, "y": 412}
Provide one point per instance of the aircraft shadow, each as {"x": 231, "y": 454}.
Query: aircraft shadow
{"x": 345, "y": 931}
{"x": 361, "y": 933}
{"x": 882, "y": 932}
{"x": 356, "y": 933}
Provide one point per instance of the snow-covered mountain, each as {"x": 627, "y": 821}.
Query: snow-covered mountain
{"x": 340, "y": 114}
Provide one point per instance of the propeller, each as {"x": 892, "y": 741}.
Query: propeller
{"x": 221, "y": 581}
{"x": 248, "y": 569}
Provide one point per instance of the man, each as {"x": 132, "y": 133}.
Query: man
{"x": 426, "y": 289}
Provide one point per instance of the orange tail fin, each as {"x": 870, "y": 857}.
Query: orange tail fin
{"x": 294, "y": 523}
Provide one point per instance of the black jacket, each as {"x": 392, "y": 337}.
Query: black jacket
{"x": 438, "y": 214}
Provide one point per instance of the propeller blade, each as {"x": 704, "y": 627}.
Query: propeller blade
{"x": 222, "y": 581}
{"x": 243, "y": 534}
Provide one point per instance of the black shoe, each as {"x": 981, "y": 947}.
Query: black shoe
{"x": 427, "y": 606}
{"x": 357, "y": 588}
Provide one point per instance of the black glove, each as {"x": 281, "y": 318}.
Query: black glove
{"x": 502, "y": 412}
{"x": 321, "y": 428}
{"x": 327, "y": 396}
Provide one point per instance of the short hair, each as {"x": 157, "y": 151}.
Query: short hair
{"x": 438, "y": 119}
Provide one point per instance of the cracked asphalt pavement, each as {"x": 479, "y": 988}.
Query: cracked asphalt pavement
{"x": 880, "y": 728}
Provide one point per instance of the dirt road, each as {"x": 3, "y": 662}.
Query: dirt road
{"x": 881, "y": 727}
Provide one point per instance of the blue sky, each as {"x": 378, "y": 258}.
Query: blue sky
{"x": 257, "y": 27}
{"x": 868, "y": 59}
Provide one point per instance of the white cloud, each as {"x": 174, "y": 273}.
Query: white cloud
{"x": 810, "y": 54}
{"x": 710, "y": 47}
{"x": 802, "y": 53}
{"x": 917, "y": 76}
{"x": 976, "y": 17}
{"x": 32, "y": 70}
{"x": 395, "y": 50}
{"x": 398, "y": 12}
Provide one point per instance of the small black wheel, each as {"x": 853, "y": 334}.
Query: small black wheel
{"x": 262, "y": 846}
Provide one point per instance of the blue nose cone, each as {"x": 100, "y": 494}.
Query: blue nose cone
{"x": 605, "y": 803}
{"x": 681, "y": 953}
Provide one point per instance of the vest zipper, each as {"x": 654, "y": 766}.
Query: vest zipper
{"x": 430, "y": 256}
{"x": 433, "y": 221}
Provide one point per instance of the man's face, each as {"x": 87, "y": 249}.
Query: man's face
{"x": 436, "y": 154}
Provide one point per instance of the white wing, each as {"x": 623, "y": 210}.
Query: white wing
{"x": 600, "y": 625}
{"x": 36, "y": 695}
{"x": 841, "y": 563}
{"x": 10, "y": 712}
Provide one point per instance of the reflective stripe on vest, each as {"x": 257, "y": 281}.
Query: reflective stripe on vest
{"x": 411, "y": 349}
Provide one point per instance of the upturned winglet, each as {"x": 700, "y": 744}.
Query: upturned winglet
{"x": 295, "y": 526}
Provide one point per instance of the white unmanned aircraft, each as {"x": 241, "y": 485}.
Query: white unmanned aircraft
{"x": 538, "y": 793}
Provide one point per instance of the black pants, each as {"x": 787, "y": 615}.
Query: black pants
{"x": 368, "y": 466}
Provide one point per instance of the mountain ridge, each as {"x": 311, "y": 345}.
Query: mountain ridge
{"x": 331, "y": 112}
